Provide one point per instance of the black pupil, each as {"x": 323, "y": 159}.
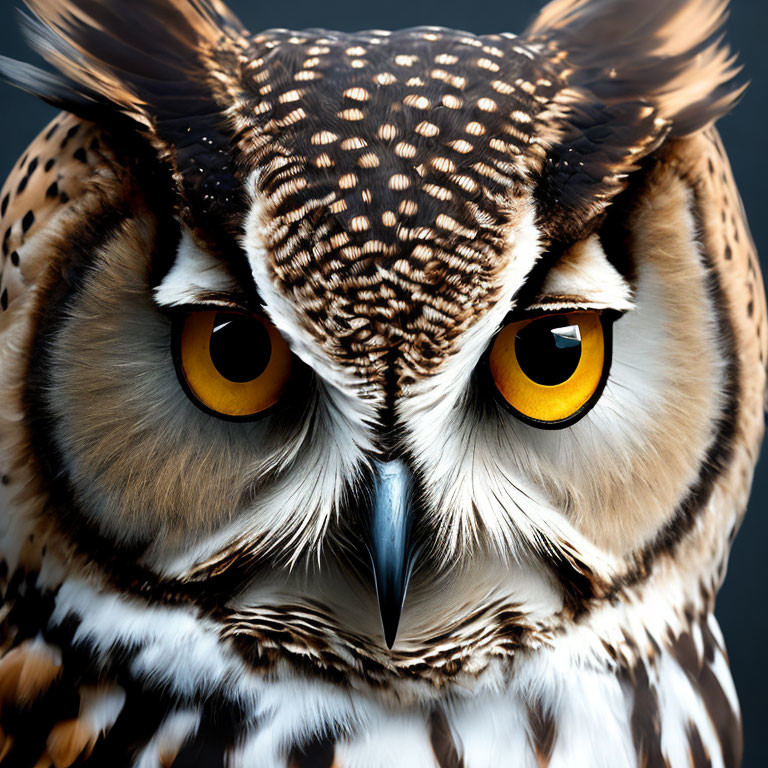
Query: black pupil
{"x": 240, "y": 347}
{"x": 548, "y": 350}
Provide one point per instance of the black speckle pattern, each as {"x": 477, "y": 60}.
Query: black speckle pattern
{"x": 80, "y": 155}
{"x": 4, "y": 204}
{"x": 53, "y": 190}
{"x": 4, "y": 299}
{"x": 27, "y": 221}
{"x": 70, "y": 133}
{"x": 401, "y": 146}
{"x": 50, "y": 164}
{"x": 15, "y": 258}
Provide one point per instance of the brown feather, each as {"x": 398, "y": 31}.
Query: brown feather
{"x": 6, "y": 742}
{"x": 542, "y": 733}
{"x": 69, "y": 740}
{"x": 443, "y": 741}
{"x": 27, "y": 672}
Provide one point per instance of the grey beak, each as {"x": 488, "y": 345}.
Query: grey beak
{"x": 390, "y": 541}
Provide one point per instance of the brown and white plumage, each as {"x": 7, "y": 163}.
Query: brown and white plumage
{"x": 181, "y": 589}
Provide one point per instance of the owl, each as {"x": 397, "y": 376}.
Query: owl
{"x": 374, "y": 400}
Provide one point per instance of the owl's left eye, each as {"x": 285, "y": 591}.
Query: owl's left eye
{"x": 232, "y": 364}
{"x": 550, "y": 370}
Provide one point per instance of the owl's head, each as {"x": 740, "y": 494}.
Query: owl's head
{"x": 418, "y": 308}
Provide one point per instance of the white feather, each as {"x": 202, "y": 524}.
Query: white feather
{"x": 194, "y": 273}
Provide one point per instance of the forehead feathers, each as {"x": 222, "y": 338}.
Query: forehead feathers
{"x": 388, "y": 168}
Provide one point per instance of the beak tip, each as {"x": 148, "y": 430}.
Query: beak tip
{"x": 390, "y": 598}
{"x": 390, "y": 622}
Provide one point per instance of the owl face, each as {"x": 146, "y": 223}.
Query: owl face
{"x": 424, "y": 316}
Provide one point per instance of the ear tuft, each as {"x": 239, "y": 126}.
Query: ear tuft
{"x": 669, "y": 54}
{"x": 637, "y": 72}
{"x": 150, "y": 59}
{"x": 162, "y": 69}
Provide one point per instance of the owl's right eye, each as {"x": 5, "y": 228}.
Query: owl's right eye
{"x": 232, "y": 364}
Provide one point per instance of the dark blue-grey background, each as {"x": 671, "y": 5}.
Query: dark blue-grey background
{"x": 740, "y": 609}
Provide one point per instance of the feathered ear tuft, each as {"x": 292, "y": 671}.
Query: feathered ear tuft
{"x": 637, "y": 71}
{"x": 162, "y": 68}
{"x": 669, "y": 54}
{"x": 151, "y": 59}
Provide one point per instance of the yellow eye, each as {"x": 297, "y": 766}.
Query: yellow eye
{"x": 550, "y": 369}
{"x": 234, "y": 364}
